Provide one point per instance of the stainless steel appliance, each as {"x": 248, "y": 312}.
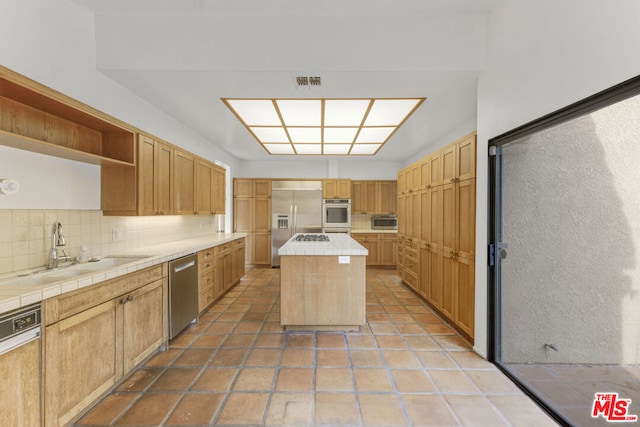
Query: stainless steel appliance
{"x": 296, "y": 207}
{"x": 336, "y": 213}
{"x": 384, "y": 222}
{"x": 183, "y": 293}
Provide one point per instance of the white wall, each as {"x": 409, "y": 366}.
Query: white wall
{"x": 53, "y": 42}
{"x": 543, "y": 55}
{"x": 571, "y": 217}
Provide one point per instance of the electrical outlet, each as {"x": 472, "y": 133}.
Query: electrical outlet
{"x": 117, "y": 234}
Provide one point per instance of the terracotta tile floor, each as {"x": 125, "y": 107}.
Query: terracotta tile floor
{"x": 237, "y": 366}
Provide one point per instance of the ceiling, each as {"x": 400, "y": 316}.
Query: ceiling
{"x": 183, "y": 56}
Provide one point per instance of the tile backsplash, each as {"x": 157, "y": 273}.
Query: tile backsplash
{"x": 25, "y": 235}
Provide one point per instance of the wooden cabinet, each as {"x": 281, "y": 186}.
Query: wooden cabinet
{"x": 155, "y": 161}
{"x": 252, "y": 215}
{"x": 203, "y": 187}
{"x": 374, "y": 197}
{"x": 382, "y": 248}
{"x": 208, "y": 287}
{"x": 219, "y": 190}
{"x": 321, "y": 293}
{"x": 336, "y": 189}
{"x": 184, "y": 168}
{"x": 442, "y": 222}
{"x": 40, "y": 119}
{"x": 94, "y": 336}
{"x": 230, "y": 263}
{"x": 20, "y": 393}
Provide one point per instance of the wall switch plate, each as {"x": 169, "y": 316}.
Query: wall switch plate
{"x": 344, "y": 259}
{"x": 117, "y": 234}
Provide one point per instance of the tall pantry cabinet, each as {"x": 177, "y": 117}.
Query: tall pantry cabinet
{"x": 436, "y": 230}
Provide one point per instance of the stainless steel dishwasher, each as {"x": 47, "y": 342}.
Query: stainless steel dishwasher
{"x": 183, "y": 293}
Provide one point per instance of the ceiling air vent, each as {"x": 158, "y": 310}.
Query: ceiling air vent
{"x": 308, "y": 82}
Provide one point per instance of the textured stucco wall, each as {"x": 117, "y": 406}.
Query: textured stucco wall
{"x": 572, "y": 222}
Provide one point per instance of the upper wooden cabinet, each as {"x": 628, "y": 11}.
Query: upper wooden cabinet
{"x": 248, "y": 187}
{"x": 336, "y": 189}
{"x": 184, "y": 196}
{"x": 374, "y": 197}
{"x": 154, "y": 177}
{"x": 219, "y": 188}
{"x": 203, "y": 184}
{"x": 37, "y": 118}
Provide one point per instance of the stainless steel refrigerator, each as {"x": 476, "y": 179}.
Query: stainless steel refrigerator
{"x": 296, "y": 207}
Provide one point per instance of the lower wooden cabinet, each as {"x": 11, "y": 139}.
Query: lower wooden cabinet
{"x": 20, "y": 392}
{"x": 382, "y": 248}
{"x": 219, "y": 268}
{"x": 95, "y": 336}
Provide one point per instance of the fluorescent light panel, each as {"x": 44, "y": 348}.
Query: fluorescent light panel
{"x": 323, "y": 126}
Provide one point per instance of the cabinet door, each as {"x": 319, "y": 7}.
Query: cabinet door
{"x": 371, "y": 198}
{"x": 448, "y": 164}
{"x": 424, "y": 282}
{"x": 388, "y": 251}
{"x": 147, "y": 176}
{"x": 262, "y": 188}
{"x": 242, "y": 187}
{"x": 184, "y": 183}
{"x": 83, "y": 359}
{"x": 465, "y": 295}
{"x": 357, "y": 197}
{"x": 204, "y": 179}
{"x": 448, "y": 284}
{"x": 142, "y": 323}
{"x": 261, "y": 215}
{"x": 240, "y": 261}
{"x": 344, "y": 189}
{"x": 235, "y": 271}
{"x": 20, "y": 391}
{"x": 402, "y": 186}
{"x": 425, "y": 216}
{"x": 262, "y": 248}
{"x": 425, "y": 172}
{"x": 466, "y": 219}
{"x": 435, "y": 277}
{"x": 386, "y": 197}
{"x": 219, "y": 188}
{"x": 416, "y": 176}
{"x": 466, "y": 157}
{"x": 165, "y": 175}
{"x": 227, "y": 274}
{"x": 435, "y": 168}
{"x": 329, "y": 189}
{"x": 242, "y": 214}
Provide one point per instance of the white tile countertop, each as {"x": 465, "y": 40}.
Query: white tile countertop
{"x": 370, "y": 230}
{"x": 25, "y": 288}
{"x": 338, "y": 244}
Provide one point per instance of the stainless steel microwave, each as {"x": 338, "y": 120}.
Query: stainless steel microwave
{"x": 384, "y": 222}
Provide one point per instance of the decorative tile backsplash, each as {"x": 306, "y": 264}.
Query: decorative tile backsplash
{"x": 25, "y": 235}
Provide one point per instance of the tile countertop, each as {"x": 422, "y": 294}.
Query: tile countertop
{"x": 13, "y": 295}
{"x": 338, "y": 244}
{"x": 370, "y": 230}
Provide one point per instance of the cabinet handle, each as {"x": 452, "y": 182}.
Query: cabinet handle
{"x": 123, "y": 300}
{"x": 130, "y": 298}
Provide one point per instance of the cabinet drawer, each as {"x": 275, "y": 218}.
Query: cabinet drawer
{"x": 411, "y": 265}
{"x": 66, "y": 305}
{"x": 411, "y": 279}
{"x": 207, "y": 279}
{"x": 206, "y": 255}
{"x": 206, "y": 297}
{"x": 206, "y": 266}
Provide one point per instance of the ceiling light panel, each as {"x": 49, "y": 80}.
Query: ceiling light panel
{"x": 390, "y": 112}
{"x": 345, "y": 112}
{"x": 323, "y": 126}
{"x": 300, "y": 112}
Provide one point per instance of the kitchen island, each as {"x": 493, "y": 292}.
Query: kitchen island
{"x": 322, "y": 282}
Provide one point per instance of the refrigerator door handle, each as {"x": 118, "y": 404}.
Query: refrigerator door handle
{"x": 295, "y": 219}
{"x": 292, "y": 224}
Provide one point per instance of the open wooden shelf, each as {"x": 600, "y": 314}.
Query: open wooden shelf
{"x": 36, "y": 118}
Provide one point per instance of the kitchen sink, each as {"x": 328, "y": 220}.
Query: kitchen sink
{"x": 69, "y": 271}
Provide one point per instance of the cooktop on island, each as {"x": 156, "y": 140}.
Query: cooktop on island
{"x": 312, "y": 238}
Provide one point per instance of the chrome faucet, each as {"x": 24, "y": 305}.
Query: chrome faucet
{"x": 57, "y": 239}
